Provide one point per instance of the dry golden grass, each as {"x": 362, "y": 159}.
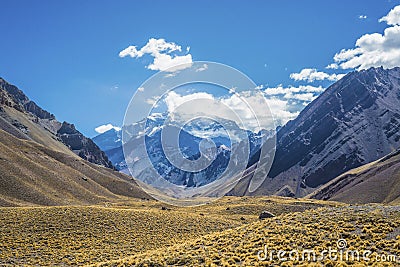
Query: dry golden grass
{"x": 372, "y": 227}
{"x": 224, "y": 233}
{"x": 69, "y": 236}
{"x": 78, "y": 235}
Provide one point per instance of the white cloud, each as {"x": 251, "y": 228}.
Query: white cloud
{"x": 170, "y": 63}
{"x": 311, "y": 75}
{"x": 280, "y": 110}
{"x": 374, "y": 50}
{"x": 231, "y": 108}
{"x": 333, "y": 66}
{"x": 393, "y": 17}
{"x": 152, "y": 101}
{"x": 106, "y": 127}
{"x": 362, "y": 16}
{"x": 301, "y": 89}
{"x": 306, "y": 93}
{"x": 202, "y": 68}
{"x": 172, "y": 74}
{"x": 163, "y": 55}
{"x": 174, "y": 100}
{"x": 306, "y": 97}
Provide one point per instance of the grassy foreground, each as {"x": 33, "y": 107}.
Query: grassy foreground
{"x": 224, "y": 233}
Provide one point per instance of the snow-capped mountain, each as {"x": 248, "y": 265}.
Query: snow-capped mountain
{"x": 148, "y": 131}
{"x": 109, "y": 140}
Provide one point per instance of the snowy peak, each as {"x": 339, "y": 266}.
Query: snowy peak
{"x": 219, "y": 132}
{"x": 109, "y": 139}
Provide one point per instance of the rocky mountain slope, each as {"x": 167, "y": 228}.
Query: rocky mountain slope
{"x": 14, "y": 123}
{"x": 354, "y": 122}
{"x": 377, "y": 182}
{"x": 33, "y": 174}
{"x": 41, "y": 159}
{"x": 82, "y": 146}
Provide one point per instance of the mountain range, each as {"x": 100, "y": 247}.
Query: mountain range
{"x": 353, "y": 122}
{"x": 343, "y": 146}
{"x": 190, "y": 137}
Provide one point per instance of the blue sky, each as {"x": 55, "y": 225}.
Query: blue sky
{"x": 65, "y": 54}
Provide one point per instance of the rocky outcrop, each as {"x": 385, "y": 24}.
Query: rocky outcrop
{"x": 265, "y": 215}
{"x": 11, "y": 96}
{"x": 16, "y": 94}
{"x": 31, "y": 107}
{"x": 82, "y": 145}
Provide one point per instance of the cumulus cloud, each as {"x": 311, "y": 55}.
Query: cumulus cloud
{"x": 106, "y": 127}
{"x": 174, "y": 100}
{"x": 152, "y": 101}
{"x": 374, "y": 50}
{"x": 305, "y": 93}
{"x": 393, "y": 17}
{"x": 244, "y": 106}
{"x": 281, "y": 110}
{"x": 305, "y": 97}
{"x": 165, "y": 57}
{"x": 291, "y": 89}
{"x": 362, "y": 17}
{"x": 312, "y": 75}
{"x": 333, "y": 66}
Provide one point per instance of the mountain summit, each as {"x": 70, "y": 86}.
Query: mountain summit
{"x": 46, "y": 162}
{"x": 190, "y": 138}
{"x": 14, "y": 121}
{"x": 354, "y": 122}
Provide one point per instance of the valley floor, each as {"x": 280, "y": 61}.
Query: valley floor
{"x": 224, "y": 233}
